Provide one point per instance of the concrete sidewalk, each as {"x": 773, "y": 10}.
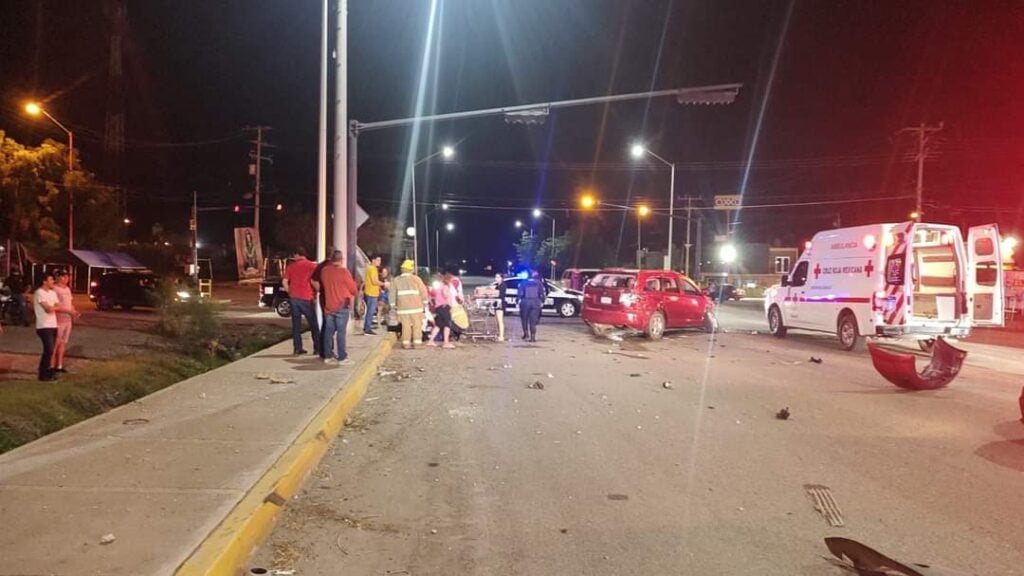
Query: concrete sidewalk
{"x": 169, "y": 472}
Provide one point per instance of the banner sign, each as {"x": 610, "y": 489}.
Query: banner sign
{"x": 248, "y": 254}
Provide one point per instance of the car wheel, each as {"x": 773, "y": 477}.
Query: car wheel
{"x": 775, "y": 325}
{"x": 283, "y": 308}
{"x": 926, "y": 345}
{"x": 655, "y": 326}
{"x": 567, "y": 309}
{"x": 849, "y": 338}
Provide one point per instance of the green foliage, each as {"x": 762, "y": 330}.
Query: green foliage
{"x": 34, "y": 186}
{"x": 191, "y": 323}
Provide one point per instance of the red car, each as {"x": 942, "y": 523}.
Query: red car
{"x": 650, "y": 301}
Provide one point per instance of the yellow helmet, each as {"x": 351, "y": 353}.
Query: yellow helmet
{"x": 408, "y": 265}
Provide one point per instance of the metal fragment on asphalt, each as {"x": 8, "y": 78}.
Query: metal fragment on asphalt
{"x": 825, "y": 503}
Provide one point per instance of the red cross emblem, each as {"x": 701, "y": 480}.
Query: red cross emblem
{"x": 817, "y": 270}
{"x": 868, "y": 269}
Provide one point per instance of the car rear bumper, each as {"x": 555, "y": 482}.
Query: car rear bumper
{"x": 614, "y": 318}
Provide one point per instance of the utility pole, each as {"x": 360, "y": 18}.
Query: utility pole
{"x": 193, "y": 226}
{"x": 689, "y": 217}
{"x": 922, "y": 131}
{"x": 255, "y": 171}
{"x": 344, "y": 207}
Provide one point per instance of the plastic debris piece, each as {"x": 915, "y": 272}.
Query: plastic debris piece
{"x": 852, "y": 556}
{"x": 782, "y": 414}
{"x": 666, "y": 385}
{"x": 901, "y": 369}
{"x": 537, "y": 385}
{"x": 107, "y": 539}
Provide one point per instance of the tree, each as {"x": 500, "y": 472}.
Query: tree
{"x": 34, "y": 186}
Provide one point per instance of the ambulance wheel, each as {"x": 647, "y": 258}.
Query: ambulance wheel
{"x": 775, "y": 325}
{"x": 849, "y": 338}
{"x": 655, "y": 326}
{"x": 926, "y": 345}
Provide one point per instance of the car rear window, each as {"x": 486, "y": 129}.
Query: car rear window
{"x": 620, "y": 281}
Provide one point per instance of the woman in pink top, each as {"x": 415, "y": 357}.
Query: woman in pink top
{"x": 441, "y": 297}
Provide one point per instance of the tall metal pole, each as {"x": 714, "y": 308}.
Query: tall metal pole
{"x": 689, "y": 218}
{"x": 194, "y": 225}
{"x": 71, "y": 191}
{"x": 552, "y": 249}
{"x": 672, "y": 213}
{"x": 416, "y": 236}
{"x": 426, "y": 234}
{"x": 437, "y": 244}
{"x": 259, "y": 163}
{"x": 321, "y": 165}
{"x": 342, "y": 215}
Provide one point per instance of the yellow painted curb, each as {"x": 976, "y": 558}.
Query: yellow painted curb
{"x": 227, "y": 549}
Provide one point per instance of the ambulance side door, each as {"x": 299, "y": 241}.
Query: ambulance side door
{"x": 795, "y": 294}
{"x": 985, "y": 275}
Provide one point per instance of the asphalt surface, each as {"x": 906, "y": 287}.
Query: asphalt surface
{"x": 455, "y": 465}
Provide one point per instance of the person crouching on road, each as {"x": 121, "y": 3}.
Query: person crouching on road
{"x": 46, "y": 304}
{"x": 65, "y": 316}
{"x": 441, "y": 297}
{"x": 339, "y": 289}
{"x": 408, "y": 295}
{"x": 371, "y": 292}
{"x": 297, "y": 282}
{"x": 531, "y": 300}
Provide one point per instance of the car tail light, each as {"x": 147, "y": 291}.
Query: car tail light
{"x": 628, "y": 299}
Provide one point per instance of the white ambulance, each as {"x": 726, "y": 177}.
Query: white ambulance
{"x": 912, "y": 280}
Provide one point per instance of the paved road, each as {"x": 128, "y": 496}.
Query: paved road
{"x": 463, "y": 469}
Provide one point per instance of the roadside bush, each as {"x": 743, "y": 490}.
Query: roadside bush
{"x": 191, "y": 323}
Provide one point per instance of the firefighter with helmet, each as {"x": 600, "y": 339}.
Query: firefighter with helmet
{"x": 407, "y": 296}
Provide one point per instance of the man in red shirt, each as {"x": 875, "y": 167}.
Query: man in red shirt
{"x": 297, "y": 282}
{"x": 339, "y": 290}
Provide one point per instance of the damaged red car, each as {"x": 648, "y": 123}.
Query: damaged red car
{"x": 649, "y": 301}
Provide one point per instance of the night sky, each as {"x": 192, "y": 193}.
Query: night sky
{"x": 848, "y": 76}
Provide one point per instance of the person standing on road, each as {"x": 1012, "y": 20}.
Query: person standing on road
{"x": 441, "y": 297}
{"x": 384, "y": 302}
{"x": 65, "y": 317}
{"x": 46, "y": 304}
{"x": 499, "y": 310}
{"x": 315, "y": 281}
{"x": 371, "y": 292}
{"x": 531, "y": 300}
{"x": 408, "y": 295}
{"x": 298, "y": 282}
{"x": 339, "y": 289}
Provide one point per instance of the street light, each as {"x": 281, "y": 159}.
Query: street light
{"x": 638, "y": 151}
{"x": 437, "y": 240}
{"x": 35, "y": 109}
{"x": 448, "y": 152}
{"x": 641, "y": 211}
{"x": 537, "y": 214}
{"x": 410, "y": 232}
{"x": 519, "y": 223}
{"x": 587, "y": 201}
{"x": 728, "y": 253}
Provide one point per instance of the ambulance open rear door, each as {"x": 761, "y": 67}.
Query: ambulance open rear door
{"x": 985, "y": 275}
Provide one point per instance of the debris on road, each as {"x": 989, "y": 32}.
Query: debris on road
{"x": 782, "y": 414}
{"x": 506, "y": 365}
{"x": 564, "y": 530}
{"x": 107, "y": 539}
{"x": 537, "y": 385}
{"x": 262, "y": 376}
{"x": 900, "y": 369}
{"x": 852, "y": 556}
{"x": 275, "y": 379}
{"x": 634, "y": 375}
{"x": 629, "y": 354}
{"x": 815, "y": 360}
{"x": 135, "y": 421}
{"x": 754, "y": 332}
{"x": 711, "y": 407}
{"x": 666, "y": 385}
{"x": 550, "y": 375}
{"x": 384, "y": 372}
{"x": 618, "y": 497}
{"x": 825, "y": 503}
{"x": 433, "y": 531}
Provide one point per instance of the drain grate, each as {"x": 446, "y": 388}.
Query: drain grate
{"x": 825, "y": 503}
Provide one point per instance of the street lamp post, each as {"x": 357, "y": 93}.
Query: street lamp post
{"x": 426, "y": 228}
{"x": 448, "y": 152}
{"x": 34, "y": 109}
{"x": 537, "y": 213}
{"x": 638, "y": 151}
